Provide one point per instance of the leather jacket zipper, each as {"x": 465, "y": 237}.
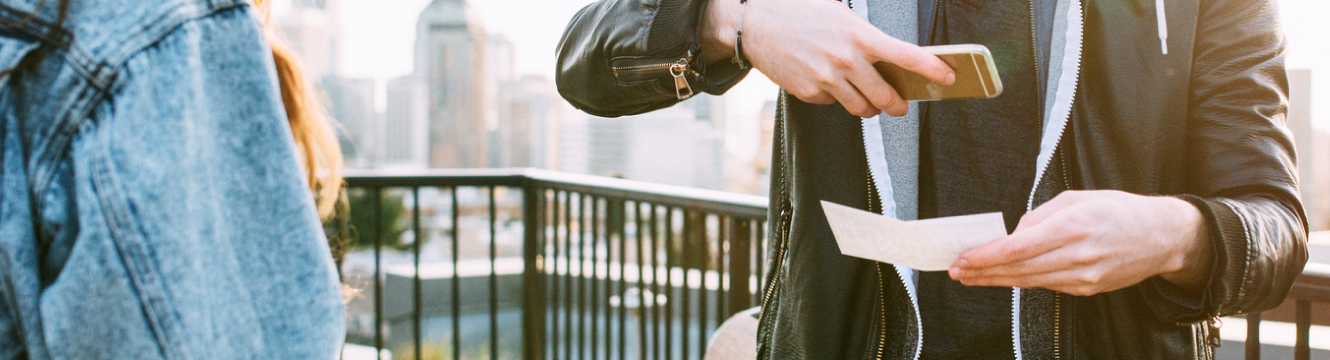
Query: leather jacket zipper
{"x": 881, "y": 283}
{"x": 1208, "y": 336}
{"x": 876, "y": 207}
{"x": 1057, "y": 298}
{"x": 1212, "y": 337}
{"x": 783, "y": 224}
{"x": 681, "y": 88}
{"x": 881, "y": 312}
{"x": 678, "y": 70}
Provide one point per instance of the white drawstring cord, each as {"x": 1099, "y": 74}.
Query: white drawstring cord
{"x": 1163, "y": 26}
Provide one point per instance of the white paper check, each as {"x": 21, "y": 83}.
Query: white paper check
{"x": 925, "y": 245}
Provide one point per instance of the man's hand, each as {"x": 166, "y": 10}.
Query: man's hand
{"x": 1089, "y": 242}
{"x": 819, "y": 51}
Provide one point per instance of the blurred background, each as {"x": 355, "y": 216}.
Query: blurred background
{"x": 446, "y": 84}
{"x": 488, "y": 66}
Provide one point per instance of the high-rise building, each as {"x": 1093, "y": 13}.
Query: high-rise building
{"x": 312, "y": 30}
{"x": 1314, "y": 189}
{"x": 450, "y": 55}
{"x": 574, "y": 145}
{"x": 528, "y": 124}
{"x": 667, "y": 146}
{"x": 406, "y": 123}
{"x": 351, "y": 105}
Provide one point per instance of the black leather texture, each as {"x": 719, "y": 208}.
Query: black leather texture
{"x": 1205, "y": 123}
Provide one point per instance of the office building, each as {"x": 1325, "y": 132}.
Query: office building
{"x": 450, "y": 57}
{"x": 311, "y": 29}
{"x": 667, "y": 146}
{"x": 406, "y": 123}
{"x": 357, "y": 123}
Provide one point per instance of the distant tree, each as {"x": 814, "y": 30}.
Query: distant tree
{"x": 392, "y": 215}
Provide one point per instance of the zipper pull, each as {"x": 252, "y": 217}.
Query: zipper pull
{"x": 1212, "y": 339}
{"x": 681, "y": 88}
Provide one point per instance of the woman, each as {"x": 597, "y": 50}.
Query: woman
{"x": 153, "y": 203}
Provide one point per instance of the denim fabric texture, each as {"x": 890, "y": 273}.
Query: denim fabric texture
{"x": 151, "y": 201}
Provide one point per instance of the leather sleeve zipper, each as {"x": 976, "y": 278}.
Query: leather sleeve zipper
{"x": 677, "y": 70}
{"x": 1212, "y": 337}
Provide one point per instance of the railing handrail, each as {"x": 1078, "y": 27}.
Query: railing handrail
{"x": 742, "y": 205}
{"x": 1313, "y": 284}
{"x": 556, "y": 202}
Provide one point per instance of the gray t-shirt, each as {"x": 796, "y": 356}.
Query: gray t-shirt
{"x": 978, "y": 156}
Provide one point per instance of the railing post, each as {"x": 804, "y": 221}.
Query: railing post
{"x": 1302, "y": 346}
{"x": 533, "y": 307}
{"x": 1253, "y": 345}
{"x": 741, "y": 255}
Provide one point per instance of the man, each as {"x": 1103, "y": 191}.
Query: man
{"x": 1138, "y": 154}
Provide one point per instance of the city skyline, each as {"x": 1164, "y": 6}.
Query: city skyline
{"x": 467, "y": 104}
{"x": 379, "y": 37}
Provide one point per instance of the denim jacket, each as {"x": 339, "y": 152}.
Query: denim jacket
{"x": 151, "y": 201}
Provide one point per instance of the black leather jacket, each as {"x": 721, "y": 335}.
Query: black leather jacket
{"x": 1206, "y": 124}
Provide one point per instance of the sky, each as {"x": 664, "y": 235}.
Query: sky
{"x": 378, "y": 36}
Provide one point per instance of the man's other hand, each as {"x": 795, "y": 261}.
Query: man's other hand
{"x": 1090, "y": 242}
{"x": 819, "y": 51}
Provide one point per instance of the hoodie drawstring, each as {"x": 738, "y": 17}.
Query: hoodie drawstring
{"x": 1163, "y": 26}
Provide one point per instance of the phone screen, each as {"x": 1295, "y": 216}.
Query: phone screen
{"x": 974, "y": 79}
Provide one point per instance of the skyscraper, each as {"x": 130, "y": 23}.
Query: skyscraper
{"x": 351, "y": 105}
{"x": 528, "y": 124}
{"x": 450, "y": 57}
{"x": 406, "y": 123}
{"x": 311, "y": 29}
{"x": 1310, "y": 161}
{"x": 667, "y": 146}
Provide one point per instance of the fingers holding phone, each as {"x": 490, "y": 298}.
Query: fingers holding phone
{"x": 976, "y": 75}
{"x": 820, "y": 52}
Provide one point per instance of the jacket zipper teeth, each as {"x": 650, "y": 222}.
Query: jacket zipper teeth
{"x": 881, "y": 282}
{"x": 775, "y": 272}
{"x": 1034, "y": 49}
{"x": 678, "y": 70}
{"x": 783, "y": 236}
{"x": 882, "y": 312}
{"x": 641, "y": 68}
{"x": 932, "y": 24}
{"x": 1057, "y": 298}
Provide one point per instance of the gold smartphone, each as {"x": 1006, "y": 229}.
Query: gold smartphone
{"x": 976, "y": 75}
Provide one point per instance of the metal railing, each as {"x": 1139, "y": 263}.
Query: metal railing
{"x": 609, "y": 269}
{"x": 1313, "y": 286}
{"x": 531, "y": 264}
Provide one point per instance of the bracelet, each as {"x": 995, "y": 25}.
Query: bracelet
{"x": 739, "y": 37}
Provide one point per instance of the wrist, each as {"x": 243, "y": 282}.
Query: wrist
{"x": 720, "y": 25}
{"x": 1191, "y": 265}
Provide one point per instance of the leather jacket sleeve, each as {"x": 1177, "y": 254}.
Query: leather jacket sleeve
{"x": 1242, "y": 169}
{"x": 626, "y": 57}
